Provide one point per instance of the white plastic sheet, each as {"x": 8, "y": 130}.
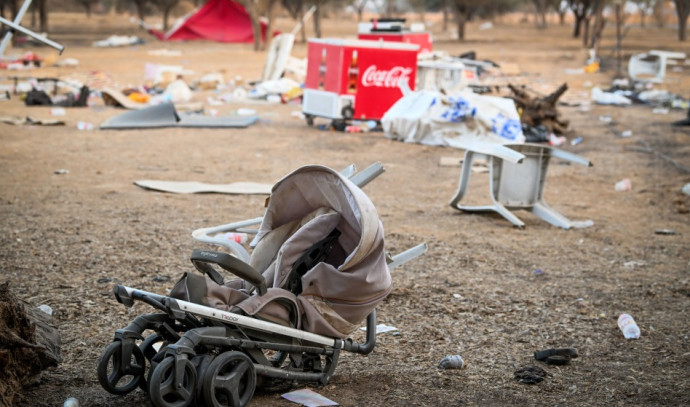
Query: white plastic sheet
{"x": 431, "y": 118}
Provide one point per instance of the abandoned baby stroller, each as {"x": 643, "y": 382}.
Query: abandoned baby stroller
{"x": 317, "y": 270}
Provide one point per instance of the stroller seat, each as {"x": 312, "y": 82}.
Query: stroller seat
{"x": 317, "y": 271}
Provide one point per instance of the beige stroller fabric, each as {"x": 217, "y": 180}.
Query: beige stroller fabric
{"x": 337, "y": 294}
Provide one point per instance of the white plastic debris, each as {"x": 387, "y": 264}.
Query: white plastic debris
{"x": 623, "y": 185}
{"x": 686, "y": 189}
{"x": 628, "y": 326}
{"x": 46, "y": 308}
{"x": 71, "y": 402}
{"x": 451, "y": 362}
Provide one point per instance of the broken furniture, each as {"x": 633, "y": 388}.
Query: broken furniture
{"x": 517, "y": 183}
{"x": 14, "y": 26}
{"x": 651, "y": 66}
{"x": 165, "y": 115}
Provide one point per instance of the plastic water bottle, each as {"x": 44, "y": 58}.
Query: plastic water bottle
{"x": 628, "y": 326}
{"x": 240, "y": 238}
{"x": 71, "y": 402}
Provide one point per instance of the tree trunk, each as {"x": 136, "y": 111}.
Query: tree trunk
{"x": 643, "y": 14}
{"x": 540, "y": 14}
{"x": 43, "y": 15}
{"x": 461, "y": 18}
{"x": 599, "y": 23}
{"x": 578, "y": 25}
{"x": 561, "y": 17}
{"x": 682, "y": 11}
{"x": 269, "y": 26}
{"x": 140, "y": 6}
{"x": 445, "y": 15}
{"x": 317, "y": 19}
{"x": 87, "y": 6}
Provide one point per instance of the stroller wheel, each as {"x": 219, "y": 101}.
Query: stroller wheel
{"x": 229, "y": 381}
{"x": 148, "y": 346}
{"x": 116, "y": 375}
{"x": 168, "y": 390}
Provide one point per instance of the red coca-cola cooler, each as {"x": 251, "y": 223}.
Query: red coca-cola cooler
{"x": 356, "y": 79}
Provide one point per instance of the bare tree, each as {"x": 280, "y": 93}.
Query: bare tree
{"x": 580, "y": 10}
{"x": 317, "y": 17}
{"x": 359, "y": 6}
{"x": 166, "y": 6}
{"x": 87, "y": 5}
{"x": 644, "y": 7}
{"x": 682, "y": 10}
{"x": 296, "y": 10}
{"x": 540, "y": 8}
{"x": 140, "y": 5}
{"x": 464, "y": 10}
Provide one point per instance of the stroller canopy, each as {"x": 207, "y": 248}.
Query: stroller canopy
{"x": 339, "y": 293}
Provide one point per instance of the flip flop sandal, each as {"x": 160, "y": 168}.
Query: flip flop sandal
{"x": 556, "y": 356}
{"x": 530, "y": 374}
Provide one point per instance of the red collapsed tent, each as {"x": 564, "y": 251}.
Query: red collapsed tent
{"x": 217, "y": 20}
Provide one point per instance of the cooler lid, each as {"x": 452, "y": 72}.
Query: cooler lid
{"x": 377, "y": 44}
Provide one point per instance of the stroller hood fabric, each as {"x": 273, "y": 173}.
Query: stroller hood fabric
{"x": 337, "y": 294}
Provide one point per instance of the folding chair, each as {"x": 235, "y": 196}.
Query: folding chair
{"x": 517, "y": 184}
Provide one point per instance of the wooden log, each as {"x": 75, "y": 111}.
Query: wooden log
{"x": 540, "y": 111}
{"x": 29, "y": 344}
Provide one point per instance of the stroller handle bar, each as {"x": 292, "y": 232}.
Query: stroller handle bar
{"x": 126, "y": 295}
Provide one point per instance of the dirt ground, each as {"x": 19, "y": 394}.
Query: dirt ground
{"x": 68, "y": 238}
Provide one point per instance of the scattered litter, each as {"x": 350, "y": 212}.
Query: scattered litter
{"x": 165, "y": 115}
{"x": 609, "y": 98}
{"x": 104, "y": 280}
{"x": 308, "y": 398}
{"x": 582, "y": 224}
{"x": 381, "y": 328}
{"x": 686, "y": 189}
{"x": 605, "y": 118}
{"x": 538, "y": 272}
{"x": 57, "y": 111}
{"x": 30, "y": 121}
{"x": 576, "y": 141}
{"x": 530, "y": 374}
{"x": 61, "y": 171}
{"x": 626, "y": 133}
{"x": 665, "y": 232}
{"x": 191, "y": 187}
{"x": 660, "y": 110}
{"x": 246, "y": 112}
{"x": 452, "y": 362}
{"x": 161, "y": 279}
{"x": 634, "y": 263}
{"x": 46, "y": 309}
{"x": 84, "y": 126}
{"x": 71, "y": 402}
{"x": 486, "y": 26}
{"x": 119, "y": 41}
{"x": 297, "y": 114}
{"x": 165, "y": 52}
{"x": 561, "y": 356}
{"x": 628, "y": 326}
{"x": 556, "y": 140}
{"x": 67, "y": 63}
{"x": 623, "y": 185}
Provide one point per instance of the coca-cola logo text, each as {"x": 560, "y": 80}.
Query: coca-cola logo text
{"x": 385, "y": 78}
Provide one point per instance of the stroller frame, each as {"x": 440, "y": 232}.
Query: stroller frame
{"x": 217, "y": 357}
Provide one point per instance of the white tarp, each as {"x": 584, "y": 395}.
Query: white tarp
{"x": 457, "y": 120}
